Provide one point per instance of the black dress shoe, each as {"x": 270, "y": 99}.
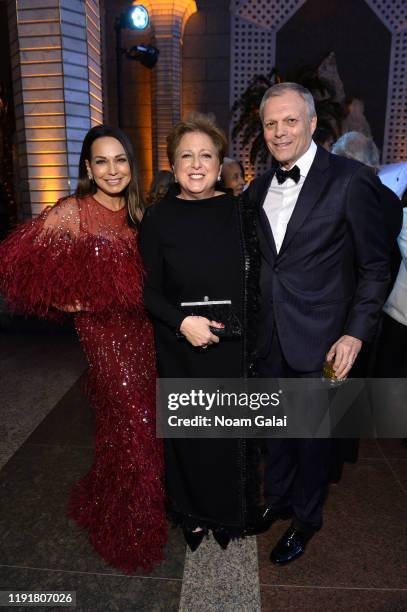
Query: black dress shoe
{"x": 264, "y": 519}
{"x": 193, "y": 538}
{"x": 222, "y": 537}
{"x": 290, "y": 546}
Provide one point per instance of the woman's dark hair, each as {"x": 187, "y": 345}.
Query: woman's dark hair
{"x": 87, "y": 187}
{"x": 160, "y": 186}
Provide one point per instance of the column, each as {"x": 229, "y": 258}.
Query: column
{"x": 57, "y": 89}
{"x": 169, "y": 18}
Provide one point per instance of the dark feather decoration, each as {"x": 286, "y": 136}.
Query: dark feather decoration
{"x": 330, "y": 111}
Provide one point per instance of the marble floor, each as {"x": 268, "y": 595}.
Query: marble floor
{"x": 38, "y": 364}
{"x": 357, "y": 562}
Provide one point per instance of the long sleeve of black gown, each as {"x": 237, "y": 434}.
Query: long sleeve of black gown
{"x": 152, "y": 254}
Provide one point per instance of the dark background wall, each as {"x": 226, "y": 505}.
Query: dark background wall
{"x": 5, "y": 73}
{"x": 206, "y": 61}
{"x": 361, "y": 43}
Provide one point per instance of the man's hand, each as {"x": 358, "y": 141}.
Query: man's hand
{"x": 345, "y": 350}
{"x": 196, "y": 331}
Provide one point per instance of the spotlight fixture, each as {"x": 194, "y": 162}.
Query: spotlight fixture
{"x": 136, "y": 17}
{"x": 147, "y": 55}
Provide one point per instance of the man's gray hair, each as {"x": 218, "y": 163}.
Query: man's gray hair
{"x": 280, "y": 88}
{"x": 356, "y": 145}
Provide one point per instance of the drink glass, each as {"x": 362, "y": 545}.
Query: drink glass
{"x": 328, "y": 373}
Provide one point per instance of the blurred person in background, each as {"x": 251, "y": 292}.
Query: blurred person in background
{"x": 232, "y": 176}
{"x": 391, "y": 356}
{"x": 355, "y": 145}
{"x": 160, "y": 186}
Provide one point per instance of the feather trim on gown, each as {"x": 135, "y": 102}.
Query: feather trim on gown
{"x": 79, "y": 254}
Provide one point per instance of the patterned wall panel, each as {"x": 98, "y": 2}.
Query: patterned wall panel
{"x": 254, "y": 26}
{"x": 253, "y": 49}
{"x": 393, "y": 13}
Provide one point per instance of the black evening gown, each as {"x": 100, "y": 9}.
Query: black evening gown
{"x": 192, "y": 249}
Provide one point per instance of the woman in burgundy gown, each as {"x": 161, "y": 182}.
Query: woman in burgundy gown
{"x": 81, "y": 256}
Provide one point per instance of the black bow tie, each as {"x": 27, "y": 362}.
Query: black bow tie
{"x": 283, "y": 175}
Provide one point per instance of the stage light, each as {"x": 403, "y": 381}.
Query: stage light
{"x": 147, "y": 55}
{"x": 137, "y": 17}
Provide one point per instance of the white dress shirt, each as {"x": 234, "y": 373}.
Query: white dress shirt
{"x": 281, "y": 199}
{"x": 394, "y": 176}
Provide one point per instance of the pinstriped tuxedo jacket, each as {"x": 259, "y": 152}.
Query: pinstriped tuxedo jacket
{"x": 331, "y": 274}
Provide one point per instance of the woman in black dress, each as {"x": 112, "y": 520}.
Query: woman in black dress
{"x": 201, "y": 242}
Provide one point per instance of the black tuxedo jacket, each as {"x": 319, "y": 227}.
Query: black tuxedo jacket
{"x": 331, "y": 274}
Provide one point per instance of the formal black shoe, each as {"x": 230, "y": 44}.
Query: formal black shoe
{"x": 193, "y": 538}
{"x": 222, "y": 537}
{"x": 290, "y": 546}
{"x": 264, "y": 518}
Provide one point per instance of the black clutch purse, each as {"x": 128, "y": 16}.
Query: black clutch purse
{"x": 216, "y": 310}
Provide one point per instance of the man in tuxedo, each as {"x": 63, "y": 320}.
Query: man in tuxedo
{"x": 323, "y": 281}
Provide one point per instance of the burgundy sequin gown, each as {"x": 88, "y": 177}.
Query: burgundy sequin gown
{"x": 79, "y": 252}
